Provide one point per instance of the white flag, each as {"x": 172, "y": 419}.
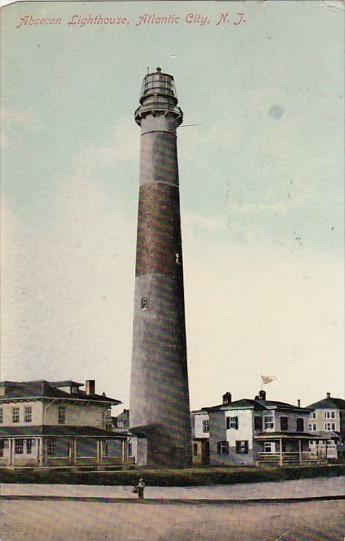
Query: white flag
{"x": 267, "y": 379}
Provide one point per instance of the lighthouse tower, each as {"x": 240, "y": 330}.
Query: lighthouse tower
{"x": 159, "y": 401}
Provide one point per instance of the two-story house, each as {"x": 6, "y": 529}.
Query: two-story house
{"x": 251, "y": 431}
{"x": 327, "y": 422}
{"x": 58, "y": 423}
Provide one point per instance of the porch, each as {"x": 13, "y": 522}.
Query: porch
{"x": 71, "y": 449}
{"x": 282, "y": 449}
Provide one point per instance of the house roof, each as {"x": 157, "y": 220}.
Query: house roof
{"x": 328, "y": 403}
{"x": 57, "y": 430}
{"x": 123, "y": 416}
{"x": 258, "y": 405}
{"x": 46, "y": 389}
{"x": 327, "y": 434}
{"x": 65, "y": 383}
{"x": 285, "y": 435}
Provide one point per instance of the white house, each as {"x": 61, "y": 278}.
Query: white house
{"x": 251, "y": 431}
{"x": 327, "y": 423}
{"x": 45, "y": 424}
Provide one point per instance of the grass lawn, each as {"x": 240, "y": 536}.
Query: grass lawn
{"x": 195, "y": 476}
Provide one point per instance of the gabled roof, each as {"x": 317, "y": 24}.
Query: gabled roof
{"x": 45, "y": 389}
{"x": 328, "y": 403}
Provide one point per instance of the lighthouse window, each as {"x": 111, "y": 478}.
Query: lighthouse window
{"x": 143, "y": 303}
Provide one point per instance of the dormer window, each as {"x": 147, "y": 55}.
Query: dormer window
{"x": 143, "y": 303}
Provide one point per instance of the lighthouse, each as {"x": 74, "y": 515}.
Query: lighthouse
{"x": 159, "y": 397}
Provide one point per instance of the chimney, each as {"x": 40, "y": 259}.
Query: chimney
{"x": 299, "y": 402}
{"x": 328, "y": 395}
{"x": 262, "y": 395}
{"x": 226, "y": 399}
{"x": 90, "y": 386}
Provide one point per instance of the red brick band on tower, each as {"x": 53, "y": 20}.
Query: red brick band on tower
{"x": 159, "y": 402}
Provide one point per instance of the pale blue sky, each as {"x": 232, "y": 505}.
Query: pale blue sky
{"x": 261, "y": 191}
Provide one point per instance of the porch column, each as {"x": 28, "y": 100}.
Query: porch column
{"x": 74, "y": 451}
{"x": 124, "y": 451}
{"x": 281, "y": 452}
{"x": 101, "y": 451}
{"x": 300, "y": 451}
{"x": 99, "y": 445}
{"x": 10, "y": 452}
{"x": 41, "y": 454}
{"x": 37, "y": 442}
{"x": 71, "y": 452}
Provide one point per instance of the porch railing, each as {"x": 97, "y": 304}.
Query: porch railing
{"x": 290, "y": 457}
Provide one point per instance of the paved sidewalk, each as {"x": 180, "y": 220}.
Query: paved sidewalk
{"x": 302, "y": 488}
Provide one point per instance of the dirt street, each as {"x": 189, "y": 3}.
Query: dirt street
{"x": 77, "y": 521}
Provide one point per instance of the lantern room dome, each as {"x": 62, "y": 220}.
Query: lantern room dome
{"x": 158, "y": 96}
{"x": 158, "y": 83}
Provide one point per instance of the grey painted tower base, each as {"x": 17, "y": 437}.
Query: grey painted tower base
{"x": 159, "y": 401}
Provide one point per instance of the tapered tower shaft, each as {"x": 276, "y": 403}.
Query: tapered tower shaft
{"x": 159, "y": 401}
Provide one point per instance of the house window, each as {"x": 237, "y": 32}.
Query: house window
{"x": 143, "y": 303}
{"x": 120, "y": 423}
{"x": 300, "y": 424}
{"x": 19, "y": 447}
{"x": 313, "y": 415}
{"x": 312, "y": 427}
{"x": 332, "y": 414}
{"x": 242, "y": 447}
{"x": 257, "y": 423}
{"x": 269, "y": 447}
{"x": 15, "y": 415}
{"x": 222, "y": 447}
{"x": 232, "y": 422}
{"x": 329, "y": 426}
{"x": 205, "y": 426}
{"x": 28, "y": 447}
{"x": 284, "y": 423}
{"x": 1, "y": 415}
{"x": 61, "y": 415}
{"x": 129, "y": 449}
{"x": 27, "y": 414}
{"x": 268, "y": 422}
{"x": 51, "y": 447}
{"x": 2, "y": 446}
{"x": 195, "y": 449}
